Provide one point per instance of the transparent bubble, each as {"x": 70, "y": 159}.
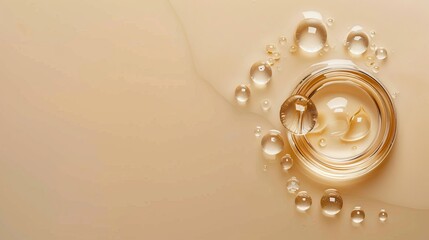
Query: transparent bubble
{"x": 282, "y": 40}
{"x": 272, "y": 143}
{"x": 372, "y": 33}
{"x": 303, "y": 201}
{"x": 258, "y": 131}
{"x": 242, "y": 93}
{"x": 382, "y": 216}
{"x": 381, "y": 53}
{"x": 287, "y": 162}
{"x": 311, "y": 35}
{"x": 270, "y": 48}
{"x": 376, "y": 68}
{"x": 360, "y": 125}
{"x": 271, "y": 61}
{"x": 266, "y": 104}
{"x": 357, "y": 41}
{"x": 330, "y": 21}
{"x": 261, "y": 73}
{"x": 298, "y": 114}
{"x": 276, "y": 55}
{"x": 292, "y": 185}
{"x": 357, "y": 215}
{"x": 322, "y": 142}
{"x": 331, "y": 202}
{"x": 293, "y": 49}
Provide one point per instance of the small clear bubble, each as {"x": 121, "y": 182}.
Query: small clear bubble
{"x": 326, "y": 48}
{"x": 303, "y": 201}
{"x": 292, "y": 185}
{"x": 265, "y": 167}
{"x": 261, "y": 73}
{"x": 381, "y": 53}
{"x": 282, "y": 41}
{"x": 293, "y": 49}
{"x": 270, "y": 48}
{"x": 382, "y": 216}
{"x": 330, "y": 22}
{"x": 331, "y": 202}
{"x": 322, "y": 142}
{"x": 272, "y": 143}
{"x": 276, "y": 55}
{"x": 372, "y": 33}
{"x": 266, "y": 104}
{"x": 242, "y": 93}
{"x": 357, "y": 41}
{"x": 311, "y": 35}
{"x": 376, "y": 69}
{"x": 373, "y": 47}
{"x": 287, "y": 162}
{"x": 258, "y": 131}
{"x": 271, "y": 61}
{"x": 357, "y": 215}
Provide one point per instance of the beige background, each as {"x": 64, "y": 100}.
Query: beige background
{"x": 118, "y": 121}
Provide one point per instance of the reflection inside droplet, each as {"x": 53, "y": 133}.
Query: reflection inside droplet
{"x": 360, "y": 124}
{"x": 298, "y": 114}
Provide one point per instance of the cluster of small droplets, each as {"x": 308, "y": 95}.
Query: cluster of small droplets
{"x": 273, "y": 53}
{"x": 359, "y": 43}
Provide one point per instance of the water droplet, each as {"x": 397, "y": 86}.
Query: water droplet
{"x": 271, "y": 61}
{"x": 331, "y": 202}
{"x": 357, "y": 215}
{"x": 261, "y": 73}
{"x": 322, "y": 142}
{"x": 372, "y": 33}
{"x": 381, "y": 53}
{"x": 373, "y": 47}
{"x": 311, "y": 35}
{"x": 357, "y": 41}
{"x": 272, "y": 143}
{"x": 338, "y": 121}
{"x": 376, "y": 69}
{"x": 360, "y": 124}
{"x": 282, "y": 41}
{"x": 330, "y": 21}
{"x": 326, "y": 48}
{"x": 242, "y": 93}
{"x": 395, "y": 95}
{"x": 270, "y": 48}
{"x": 370, "y": 61}
{"x": 265, "y": 167}
{"x": 293, "y": 49}
{"x": 382, "y": 216}
{"x": 276, "y": 55}
{"x": 298, "y": 114}
{"x": 303, "y": 201}
{"x": 292, "y": 185}
{"x": 258, "y": 131}
{"x": 266, "y": 104}
{"x": 287, "y": 162}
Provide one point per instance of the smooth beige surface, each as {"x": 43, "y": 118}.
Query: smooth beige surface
{"x": 117, "y": 122}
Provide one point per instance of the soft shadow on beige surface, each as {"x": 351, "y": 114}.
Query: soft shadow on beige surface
{"x": 108, "y": 133}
